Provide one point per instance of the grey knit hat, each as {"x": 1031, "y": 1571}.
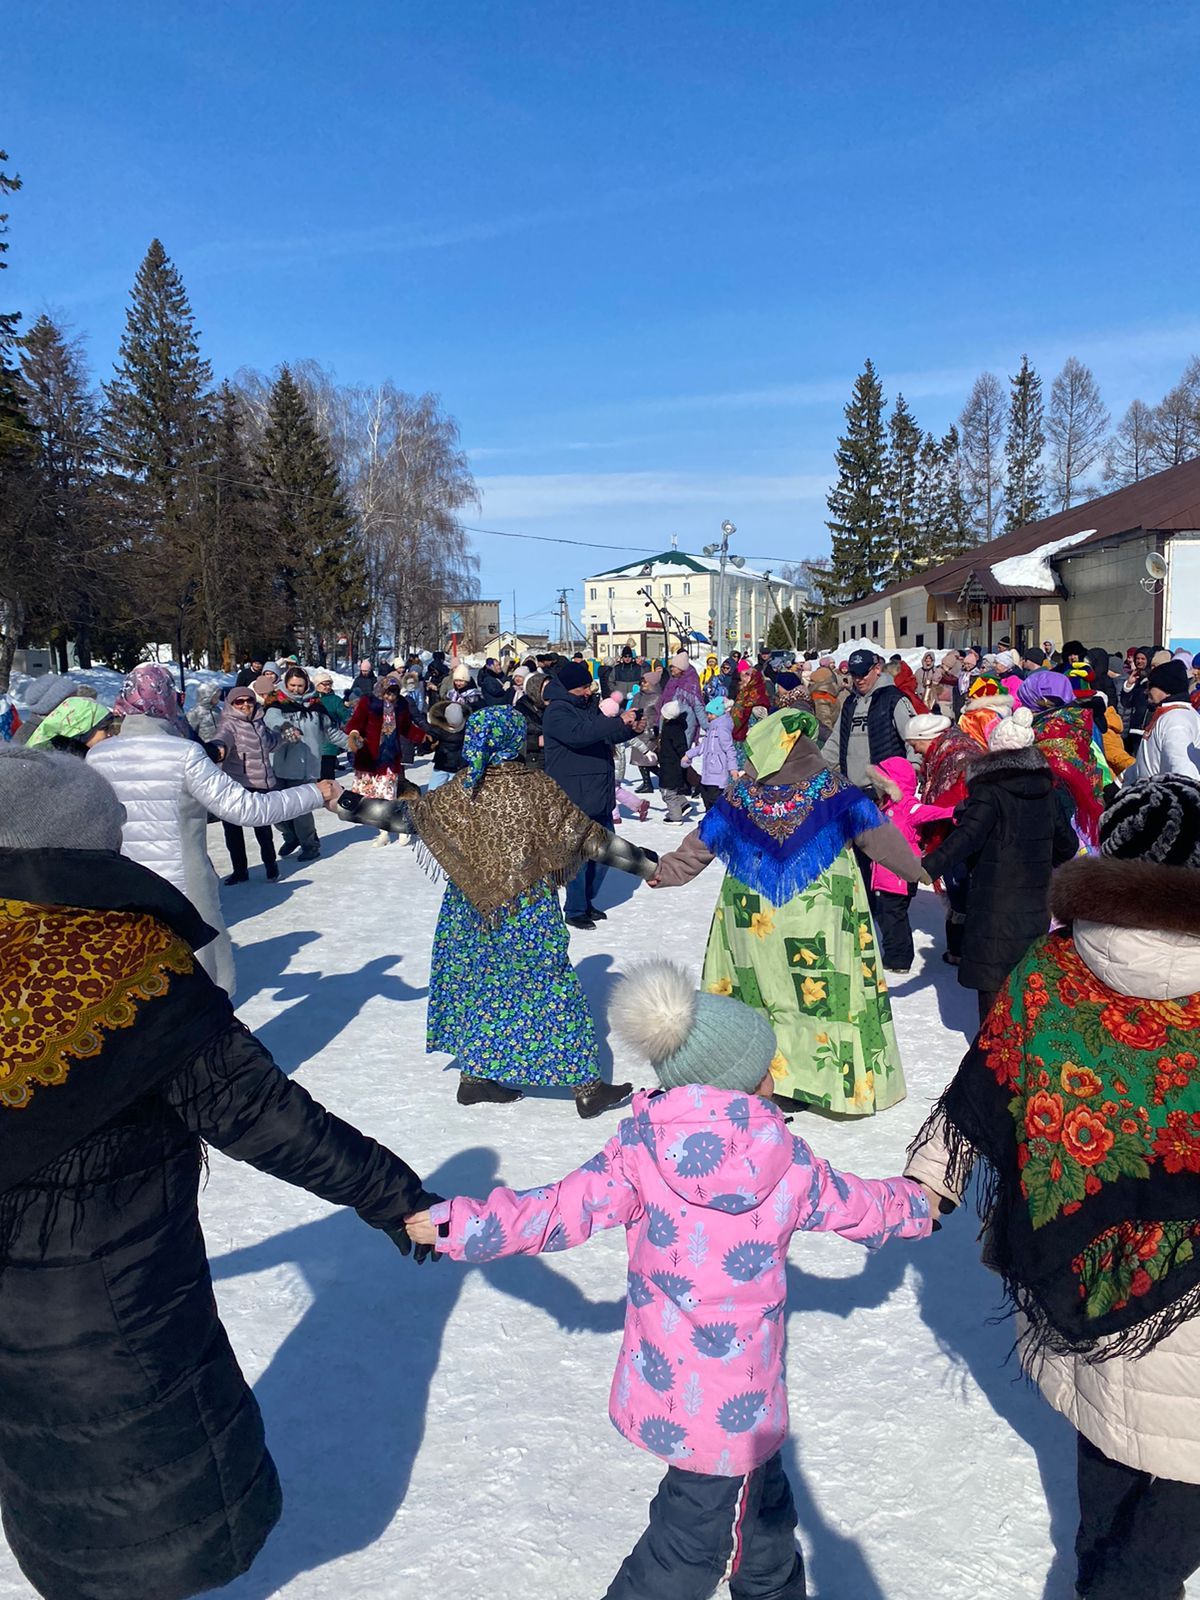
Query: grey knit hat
{"x": 689, "y": 1037}
{"x": 50, "y": 801}
{"x": 1158, "y": 821}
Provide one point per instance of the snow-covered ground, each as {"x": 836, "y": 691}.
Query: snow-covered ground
{"x": 442, "y": 1433}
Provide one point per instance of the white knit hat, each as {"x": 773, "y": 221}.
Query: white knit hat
{"x": 926, "y": 725}
{"x": 1013, "y": 733}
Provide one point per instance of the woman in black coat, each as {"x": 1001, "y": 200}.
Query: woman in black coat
{"x": 132, "y": 1457}
{"x": 532, "y": 706}
{"x": 1010, "y": 834}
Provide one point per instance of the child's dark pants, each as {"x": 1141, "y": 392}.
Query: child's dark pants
{"x": 895, "y": 930}
{"x": 703, "y": 1528}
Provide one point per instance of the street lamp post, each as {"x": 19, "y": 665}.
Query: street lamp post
{"x": 727, "y": 532}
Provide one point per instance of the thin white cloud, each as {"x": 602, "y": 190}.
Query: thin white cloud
{"x": 526, "y": 497}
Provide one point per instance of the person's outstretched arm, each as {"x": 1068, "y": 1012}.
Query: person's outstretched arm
{"x": 868, "y": 1210}
{"x": 509, "y": 1222}
{"x": 684, "y": 864}
{"x": 246, "y": 808}
{"x": 235, "y": 1097}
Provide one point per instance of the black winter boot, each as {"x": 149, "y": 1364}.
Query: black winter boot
{"x": 482, "y": 1091}
{"x": 593, "y": 1098}
{"x": 645, "y": 787}
{"x": 236, "y": 877}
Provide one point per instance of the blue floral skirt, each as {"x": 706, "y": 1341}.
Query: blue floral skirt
{"x": 505, "y": 999}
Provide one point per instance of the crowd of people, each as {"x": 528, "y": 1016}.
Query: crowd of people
{"x": 1050, "y": 796}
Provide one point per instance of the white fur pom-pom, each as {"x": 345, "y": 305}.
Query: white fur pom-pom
{"x": 654, "y": 1008}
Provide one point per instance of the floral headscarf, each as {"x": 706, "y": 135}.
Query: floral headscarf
{"x": 149, "y": 691}
{"x": 494, "y": 735}
{"x": 770, "y": 742}
{"x": 752, "y": 691}
{"x": 75, "y": 718}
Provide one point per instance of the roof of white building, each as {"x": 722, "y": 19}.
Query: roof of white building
{"x": 676, "y": 561}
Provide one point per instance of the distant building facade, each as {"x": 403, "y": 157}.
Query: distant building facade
{"x": 1080, "y": 574}
{"x": 469, "y": 622}
{"x": 685, "y": 588}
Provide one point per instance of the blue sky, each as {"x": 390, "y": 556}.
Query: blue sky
{"x": 641, "y": 248}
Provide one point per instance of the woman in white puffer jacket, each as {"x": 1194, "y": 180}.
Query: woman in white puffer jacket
{"x": 169, "y": 786}
{"x": 1094, "y": 1167}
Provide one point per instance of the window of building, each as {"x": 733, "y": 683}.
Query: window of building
{"x": 875, "y": 628}
{"x": 920, "y": 638}
{"x": 687, "y": 588}
{"x": 687, "y": 616}
{"x": 903, "y": 626}
{"x": 666, "y": 591}
{"x": 612, "y": 594}
{"x": 592, "y": 593}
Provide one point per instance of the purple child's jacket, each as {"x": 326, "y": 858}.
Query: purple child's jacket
{"x": 718, "y": 758}
{"x": 710, "y": 1186}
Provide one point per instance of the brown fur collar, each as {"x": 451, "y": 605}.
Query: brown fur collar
{"x": 1127, "y": 894}
{"x": 995, "y": 763}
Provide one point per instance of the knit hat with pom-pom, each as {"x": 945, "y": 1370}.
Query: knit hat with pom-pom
{"x": 690, "y": 1037}
{"x": 1013, "y": 733}
{"x": 1158, "y": 821}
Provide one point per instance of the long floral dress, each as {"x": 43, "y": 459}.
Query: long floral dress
{"x": 811, "y": 965}
{"x": 504, "y": 997}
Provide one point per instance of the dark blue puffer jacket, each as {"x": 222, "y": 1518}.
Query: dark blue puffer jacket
{"x": 579, "y": 750}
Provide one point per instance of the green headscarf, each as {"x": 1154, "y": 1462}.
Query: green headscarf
{"x": 769, "y": 742}
{"x": 74, "y": 718}
{"x": 497, "y": 734}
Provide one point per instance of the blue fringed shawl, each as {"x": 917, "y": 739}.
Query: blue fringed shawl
{"x": 777, "y": 838}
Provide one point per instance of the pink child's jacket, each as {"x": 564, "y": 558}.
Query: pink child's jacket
{"x": 709, "y": 1186}
{"x": 904, "y": 809}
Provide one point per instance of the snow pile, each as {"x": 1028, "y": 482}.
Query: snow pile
{"x": 107, "y": 681}
{"x": 1033, "y": 569}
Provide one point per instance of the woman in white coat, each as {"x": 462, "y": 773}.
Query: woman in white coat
{"x": 169, "y": 786}
{"x": 1171, "y": 740}
{"x": 1081, "y": 1101}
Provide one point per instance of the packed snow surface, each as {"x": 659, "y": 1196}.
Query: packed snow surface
{"x": 1033, "y": 569}
{"x": 442, "y": 1432}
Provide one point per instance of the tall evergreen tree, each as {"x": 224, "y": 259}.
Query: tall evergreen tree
{"x": 859, "y": 554}
{"x": 1128, "y": 455}
{"x": 321, "y": 565}
{"x": 957, "y": 534}
{"x": 981, "y": 428}
{"x": 22, "y": 561}
{"x": 1076, "y": 427}
{"x": 1024, "y": 492}
{"x": 157, "y": 434}
{"x": 14, "y": 425}
{"x": 82, "y": 575}
{"x": 901, "y": 468}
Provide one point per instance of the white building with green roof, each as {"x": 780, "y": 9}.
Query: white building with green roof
{"x": 628, "y": 605}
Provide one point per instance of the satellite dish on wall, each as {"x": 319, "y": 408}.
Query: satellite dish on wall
{"x": 1156, "y": 572}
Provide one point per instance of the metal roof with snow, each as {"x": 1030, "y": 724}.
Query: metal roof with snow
{"x": 1167, "y": 502}
{"x": 671, "y": 562}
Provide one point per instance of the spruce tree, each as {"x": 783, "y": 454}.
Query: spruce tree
{"x": 955, "y": 517}
{"x": 859, "y": 554}
{"x": 321, "y": 566}
{"x": 15, "y": 433}
{"x": 901, "y": 471}
{"x": 156, "y": 434}
{"x": 1024, "y": 494}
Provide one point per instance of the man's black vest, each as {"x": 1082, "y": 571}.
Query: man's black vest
{"x": 882, "y": 738}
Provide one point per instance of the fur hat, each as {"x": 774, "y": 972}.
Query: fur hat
{"x": 1172, "y": 678}
{"x": 926, "y": 725}
{"x": 689, "y": 1037}
{"x": 574, "y": 675}
{"x": 1158, "y": 821}
{"x": 55, "y": 802}
{"x": 1013, "y": 733}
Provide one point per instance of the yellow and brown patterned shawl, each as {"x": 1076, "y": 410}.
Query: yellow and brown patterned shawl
{"x": 516, "y": 831}
{"x": 95, "y": 1007}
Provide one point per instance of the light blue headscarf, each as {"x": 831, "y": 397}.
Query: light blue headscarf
{"x": 494, "y": 735}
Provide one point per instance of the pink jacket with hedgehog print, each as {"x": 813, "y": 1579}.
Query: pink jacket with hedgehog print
{"x": 709, "y": 1186}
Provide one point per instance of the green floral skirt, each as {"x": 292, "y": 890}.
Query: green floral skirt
{"x": 812, "y": 968}
{"x": 505, "y": 999}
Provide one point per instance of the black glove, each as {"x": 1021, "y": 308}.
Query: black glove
{"x": 399, "y": 1236}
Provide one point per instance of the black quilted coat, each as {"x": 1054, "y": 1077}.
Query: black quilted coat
{"x": 132, "y": 1458}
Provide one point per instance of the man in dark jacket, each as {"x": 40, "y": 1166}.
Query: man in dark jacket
{"x": 494, "y": 688}
{"x": 873, "y": 720}
{"x": 1010, "y": 835}
{"x": 247, "y": 675}
{"x": 437, "y": 671}
{"x": 578, "y": 748}
{"x": 132, "y": 1458}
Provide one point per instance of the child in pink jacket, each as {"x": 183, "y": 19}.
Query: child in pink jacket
{"x": 896, "y": 779}
{"x": 610, "y": 706}
{"x": 710, "y": 1186}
